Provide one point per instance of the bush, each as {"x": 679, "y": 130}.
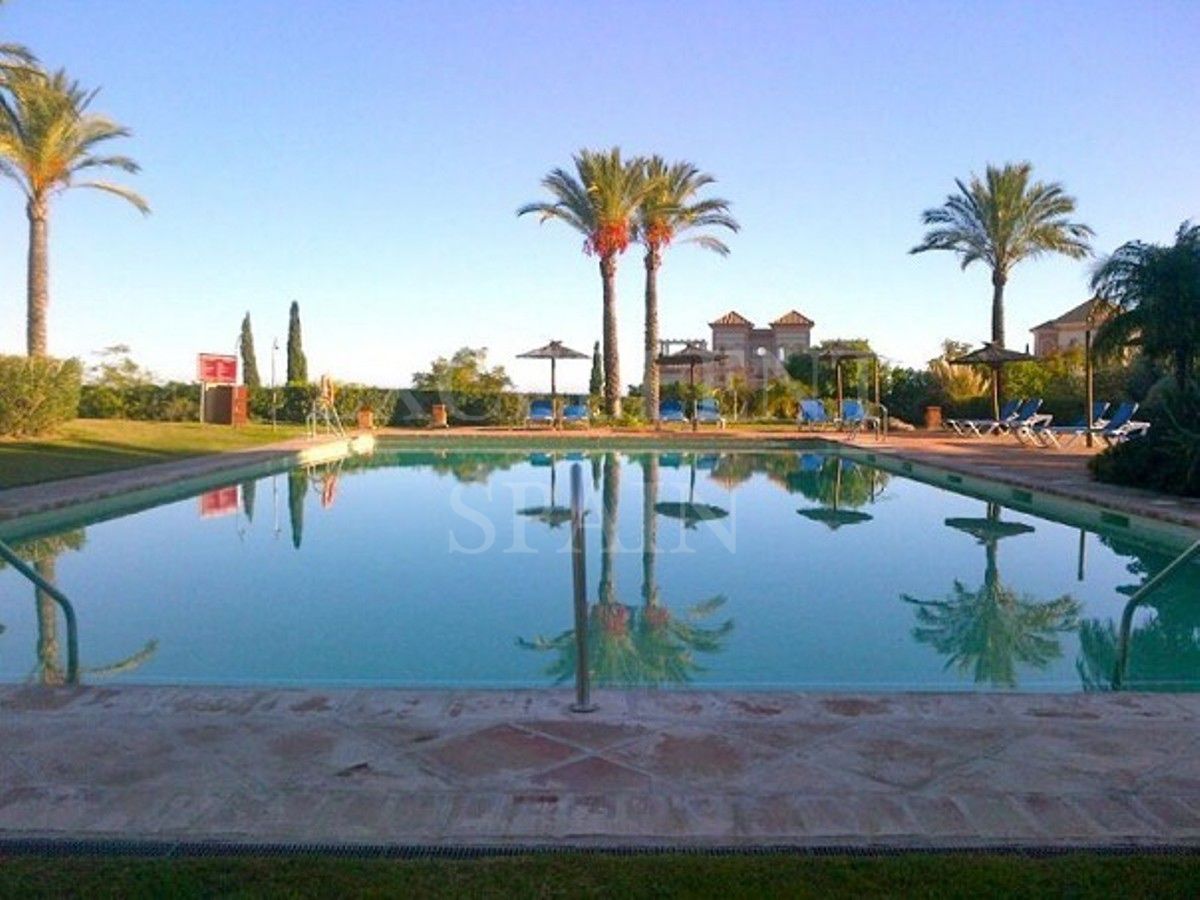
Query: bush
{"x": 174, "y": 401}
{"x": 37, "y": 394}
{"x": 908, "y": 392}
{"x": 1167, "y": 458}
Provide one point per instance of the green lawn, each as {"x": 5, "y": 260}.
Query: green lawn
{"x": 88, "y": 446}
{"x": 581, "y": 875}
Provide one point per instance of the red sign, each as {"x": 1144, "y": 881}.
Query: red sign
{"x": 221, "y": 502}
{"x": 215, "y": 368}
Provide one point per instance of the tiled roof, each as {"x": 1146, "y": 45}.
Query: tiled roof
{"x": 793, "y": 318}
{"x": 1076, "y": 316}
{"x": 732, "y": 318}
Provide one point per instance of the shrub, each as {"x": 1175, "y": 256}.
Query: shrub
{"x": 908, "y": 392}
{"x": 1167, "y": 458}
{"x": 171, "y": 402}
{"x": 37, "y": 394}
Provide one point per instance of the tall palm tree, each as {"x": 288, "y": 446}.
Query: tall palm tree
{"x": 1156, "y": 291}
{"x": 669, "y": 209}
{"x": 599, "y": 200}
{"x": 48, "y": 138}
{"x": 1001, "y": 220}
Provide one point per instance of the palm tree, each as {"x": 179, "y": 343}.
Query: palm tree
{"x": 599, "y": 200}
{"x": 1156, "y": 291}
{"x": 1002, "y": 220}
{"x": 47, "y": 139}
{"x": 669, "y": 209}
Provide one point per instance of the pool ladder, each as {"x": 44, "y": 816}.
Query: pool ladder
{"x": 1138, "y": 598}
{"x": 10, "y": 556}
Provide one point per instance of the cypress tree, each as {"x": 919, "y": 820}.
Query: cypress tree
{"x": 249, "y": 362}
{"x": 596, "y": 383}
{"x": 297, "y": 365}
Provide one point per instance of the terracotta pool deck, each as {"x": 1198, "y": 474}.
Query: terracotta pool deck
{"x": 383, "y": 767}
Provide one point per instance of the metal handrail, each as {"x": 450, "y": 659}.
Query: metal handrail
{"x": 1135, "y": 601}
{"x": 60, "y": 598}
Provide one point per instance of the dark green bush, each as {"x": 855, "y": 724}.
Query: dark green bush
{"x": 908, "y": 392}
{"x": 37, "y": 394}
{"x": 1167, "y": 458}
{"x": 174, "y": 401}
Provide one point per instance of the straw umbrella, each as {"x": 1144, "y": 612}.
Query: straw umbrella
{"x": 995, "y": 356}
{"x": 690, "y": 357}
{"x": 553, "y": 351}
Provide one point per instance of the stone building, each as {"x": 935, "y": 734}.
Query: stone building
{"x": 1067, "y": 330}
{"x": 750, "y": 349}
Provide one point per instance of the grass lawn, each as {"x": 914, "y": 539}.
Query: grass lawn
{"x": 88, "y": 446}
{"x": 581, "y": 875}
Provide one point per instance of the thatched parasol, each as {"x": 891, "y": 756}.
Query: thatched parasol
{"x": 553, "y": 351}
{"x": 995, "y": 356}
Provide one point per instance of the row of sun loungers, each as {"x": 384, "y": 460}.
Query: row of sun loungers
{"x": 1024, "y": 421}
{"x": 542, "y": 413}
{"x": 853, "y": 418}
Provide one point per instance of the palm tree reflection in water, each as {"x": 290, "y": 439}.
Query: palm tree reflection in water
{"x": 627, "y": 645}
{"x": 989, "y": 631}
{"x": 49, "y": 668}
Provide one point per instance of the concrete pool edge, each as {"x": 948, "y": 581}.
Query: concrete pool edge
{"x": 383, "y": 767}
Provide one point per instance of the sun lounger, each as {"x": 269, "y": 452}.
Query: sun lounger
{"x": 812, "y": 414}
{"x": 541, "y": 412}
{"x": 576, "y": 414}
{"x": 855, "y": 418}
{"x": 1065, "y": 435}
{"x": 1028, "y": 418}
{"x": 708, "y": 413}
{"x": 981, "y": 427}
{"x": 1121, "y": 427}
{"x": 671, "y": 411}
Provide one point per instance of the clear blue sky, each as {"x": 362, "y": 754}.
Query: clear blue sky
{"x": 367, "y": 159}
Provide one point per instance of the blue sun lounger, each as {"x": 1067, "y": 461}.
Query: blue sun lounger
{"x": 1121, "y": 427}
{"x": 576, "y": 414}
{"x": 855, "y": 418}
{"x": 708, "y": 413}
{"x": 1028, "y": 418}
{"x": 1065, "y": 435}
{"x": 671, "y": 411}
{"x": 812, "y": 413}
{"x": 981, "y": 427}
{"x": 541, "y": 412}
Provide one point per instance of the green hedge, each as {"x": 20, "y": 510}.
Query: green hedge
{"x": 176, "y": 401}
{"x": 391, "y": 406}
{"x": 37, "y": 394}
{"x": 1167, "y": 458}
{"x": 171, "y": 402}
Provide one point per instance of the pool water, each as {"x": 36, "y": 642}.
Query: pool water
{"x": 767, "y": 570}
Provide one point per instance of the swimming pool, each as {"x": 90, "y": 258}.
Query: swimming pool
{"x": 797, "y": 570}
